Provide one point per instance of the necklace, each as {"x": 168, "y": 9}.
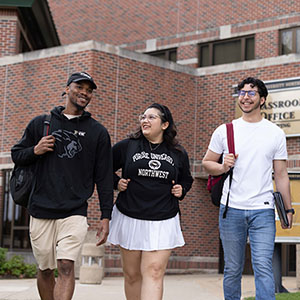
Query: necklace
{"x": 154, "y": 148}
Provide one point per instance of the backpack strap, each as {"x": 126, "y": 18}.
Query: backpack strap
{"x": 230, "y": 138}
{"x": 46, "y": 128}
{"x": 46, "y": 125}
{"x": 231, "y": 148}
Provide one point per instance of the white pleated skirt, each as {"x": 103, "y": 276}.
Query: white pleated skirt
{"x": 136, "y": 234}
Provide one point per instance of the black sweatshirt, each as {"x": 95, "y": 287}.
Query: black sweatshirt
{"x": 148, "y": 195}
{"x": 67, "y": 176}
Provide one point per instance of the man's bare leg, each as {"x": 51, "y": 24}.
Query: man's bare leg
{"x": 65, "y": 284}
{"x": 46, "y": 283}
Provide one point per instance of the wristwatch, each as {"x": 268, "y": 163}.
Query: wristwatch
{"x": 291, "y": 210}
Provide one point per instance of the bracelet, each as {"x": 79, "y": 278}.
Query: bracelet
{"x": 291, "y": 210}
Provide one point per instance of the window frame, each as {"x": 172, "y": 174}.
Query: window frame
{"x": 167, "y": 53}
{"x": 294, "y": 39}
{"x": 211, "y": 45}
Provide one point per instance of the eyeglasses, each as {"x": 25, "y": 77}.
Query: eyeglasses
{"x": 150, "y": 117}
{"x": 243, "y": 93}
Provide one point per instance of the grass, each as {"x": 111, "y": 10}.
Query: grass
{"x": 283, "y": 296}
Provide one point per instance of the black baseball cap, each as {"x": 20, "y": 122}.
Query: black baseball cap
{"x": 80, "y": 76}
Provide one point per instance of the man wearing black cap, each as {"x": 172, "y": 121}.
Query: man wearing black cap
{"x": 69, "y": 161}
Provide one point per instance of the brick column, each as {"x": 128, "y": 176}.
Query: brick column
{"x": 9, "y": 32}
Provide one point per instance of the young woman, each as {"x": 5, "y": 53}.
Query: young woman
{"x": 145, "y": 221}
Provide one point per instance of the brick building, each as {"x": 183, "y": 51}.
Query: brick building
{"x": 198, "y": 50}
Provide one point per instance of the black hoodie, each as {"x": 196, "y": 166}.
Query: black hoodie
{"x": 67, "y": 176}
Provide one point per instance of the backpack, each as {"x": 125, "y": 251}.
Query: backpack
{"x": 22, "y": 180}
{"x": 215, "y": 183}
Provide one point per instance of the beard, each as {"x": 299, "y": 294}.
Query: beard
{"x": 79, "y": 107}
{"x": 251, "y": 110}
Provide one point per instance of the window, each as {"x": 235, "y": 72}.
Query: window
{"x": 228, "y": 51}
{"x": 289, "y": 41}
{"x": 169, "y": 54}
{"x": 15, "y": 220}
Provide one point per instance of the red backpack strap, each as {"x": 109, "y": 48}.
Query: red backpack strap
{"x": 230, "y": 143}
{"x": 230, "y": 138}
{"x": 46, "y": 125}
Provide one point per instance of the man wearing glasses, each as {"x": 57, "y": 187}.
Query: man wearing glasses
{"x": 260, "y": 147}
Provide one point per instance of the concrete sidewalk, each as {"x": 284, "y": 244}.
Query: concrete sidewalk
{"x": 189, "y": 287}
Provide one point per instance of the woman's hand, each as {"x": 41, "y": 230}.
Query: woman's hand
{"x": 122, "y": 184}
{"x": 176, "y": 189}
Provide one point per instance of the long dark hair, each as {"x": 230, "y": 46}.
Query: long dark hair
{"x": 169, "y": 135}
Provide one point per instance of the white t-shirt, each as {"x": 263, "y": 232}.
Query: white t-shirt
{"x": 72, "y": 116}
{"x": 257, "y": 145}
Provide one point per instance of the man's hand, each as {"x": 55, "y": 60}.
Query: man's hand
{"x": 103, "y": 231}
{"x": 46, "y": 144}
{"x": 282, "y": 183}
{"x": 212, "y": 166}
{"x": 290, "y": 219}
{"x": 229, "y": 161}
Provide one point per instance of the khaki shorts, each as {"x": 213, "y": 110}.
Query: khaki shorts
{"x": 53, "y": 239}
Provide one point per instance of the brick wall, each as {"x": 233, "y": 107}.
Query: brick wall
{"x": 118, "y": 22}
{"x": 173, "y": 23}
{"x": 9, "y": 32}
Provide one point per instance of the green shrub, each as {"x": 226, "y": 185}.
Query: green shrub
{"x": 2, "y": 260}
{"x": 2, "y": 255}
{"x": 30, "y": 270}
{"x": 15, "y": 266}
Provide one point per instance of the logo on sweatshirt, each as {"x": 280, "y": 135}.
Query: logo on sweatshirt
{"x": 154, "y": 164}
{"x": 67, "y": 143}
{"x": 80, "y": 133}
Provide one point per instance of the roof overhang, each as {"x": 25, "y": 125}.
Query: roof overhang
{"x": 17, "y": 3}
{"x": 35, "y": 16}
